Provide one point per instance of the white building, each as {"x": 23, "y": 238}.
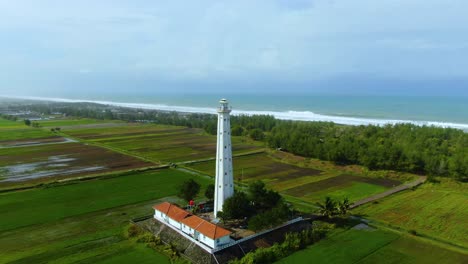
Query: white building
{"x": 224, "y": 182}
{"x": 170, "y": 214}
{"x": 199, "y": 229}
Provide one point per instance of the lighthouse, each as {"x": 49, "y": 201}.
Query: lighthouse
{"x": 224, "y": 183}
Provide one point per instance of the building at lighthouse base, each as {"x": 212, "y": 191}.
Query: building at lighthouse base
{"x": 195, "y": 227}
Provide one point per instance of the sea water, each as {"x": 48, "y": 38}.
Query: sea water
{"x": 444, "y": 111}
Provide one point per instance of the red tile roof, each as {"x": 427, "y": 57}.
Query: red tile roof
{"x": 193, "y": 221}
{"x": 172, "y": 211}
{"x": 201, "y": 225}
{"x": 204, "y": 227}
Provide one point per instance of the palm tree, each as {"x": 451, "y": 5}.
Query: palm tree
{"x": 328, "y": 208}
{"x": 343, "y": 207}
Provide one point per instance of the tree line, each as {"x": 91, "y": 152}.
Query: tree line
{"x": 402, "y": 147}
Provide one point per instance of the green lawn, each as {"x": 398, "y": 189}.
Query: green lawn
{"x": 373, "y": 246}
{"x": 39, "y": 206}
{"x": 437, "y": 210}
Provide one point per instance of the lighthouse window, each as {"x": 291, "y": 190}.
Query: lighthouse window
{"x": 224, "y": 119}
{"x": 225, "y": 146}
{"x": 220, "y": 186}
{"x": 225, "y": 173}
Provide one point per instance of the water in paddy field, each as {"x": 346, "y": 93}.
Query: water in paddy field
{"x": 353, "y": 110}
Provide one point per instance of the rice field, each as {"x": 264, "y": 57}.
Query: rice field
{"x": 66, "y": 122}
{"x": 17, "y": 130}
{"x": 160, "y": 143}
{"x": 373, "y": 246}
{"x": 84, "y": 221}
{"x": 60, "y": 160}
{"x": 307, "y": 183}
{"x": 437, "y": 210}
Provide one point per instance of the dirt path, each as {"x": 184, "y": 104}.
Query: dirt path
{"x": 399, "y": 188}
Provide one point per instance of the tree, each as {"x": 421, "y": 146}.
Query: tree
{"x": 27, "y": 122}
{"x": 328, "y": 208}
{"x": 256, "y": 134}
{"x": 237, "y": 206}
{"x": 189, "y": 189}
{"x": 209, "y": 192}
{"x": 237, "y": 130}
{"x": 343, "y": 206}
{"x": 263, "y": 198}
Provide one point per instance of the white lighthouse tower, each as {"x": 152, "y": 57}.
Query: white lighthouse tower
{"x": 224, "y": 185}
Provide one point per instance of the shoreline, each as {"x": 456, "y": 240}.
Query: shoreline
{"x": 285, "y": 115}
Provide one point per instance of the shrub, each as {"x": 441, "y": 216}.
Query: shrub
{"x": 133, "y": 231}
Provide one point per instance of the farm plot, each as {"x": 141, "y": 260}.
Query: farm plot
{"x": 32, "y": 142}
{"x": 374, "y": 246}
{"x": 342, "y": 186}
{"x": 162, "y": 143}
{"x": 16, "y": 130}
{"x": 84, "y": 221}
{"x": 49, "y": 204}
{"x": 60, "y": 160}
{"x": 306, "y": 183}
{"x": 437, "y": 210}
{"x": 261, "y": 166}
{"x": 64, "y": 122}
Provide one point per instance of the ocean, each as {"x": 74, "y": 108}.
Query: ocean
{"x": 443, "y": 111}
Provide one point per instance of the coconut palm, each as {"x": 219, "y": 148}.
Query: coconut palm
{"x": 343, "y": 206}
{"x": 328, "y": 208}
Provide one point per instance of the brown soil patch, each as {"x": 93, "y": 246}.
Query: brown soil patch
{"x": 27, "y": 142}
{"x": 65, "y": 160}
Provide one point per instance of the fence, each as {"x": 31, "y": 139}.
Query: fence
{"x": 257, "y": 234}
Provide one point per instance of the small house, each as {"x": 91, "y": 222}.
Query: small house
{"x": 196, "y": 227}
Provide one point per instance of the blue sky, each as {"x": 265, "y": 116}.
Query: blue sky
{"x": 363, "y": 46}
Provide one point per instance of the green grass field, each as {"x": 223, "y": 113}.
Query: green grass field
{"x": 82, "y": 221}
{"x": 64, "y": 122}
{"x": 161, "y": 143}
{"x": 17, "y": 130}
{"x": 373, "y": 246}
{"x": 8, "y": 124}
{"x": 437, "y": 210}
{"x": 92, "y": 237}
{"x": 44, "y": 205}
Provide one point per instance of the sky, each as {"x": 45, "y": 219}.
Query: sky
{"x": 415, "y": 47}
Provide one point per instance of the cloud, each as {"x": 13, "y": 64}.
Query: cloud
{"x": 296, "y": 40}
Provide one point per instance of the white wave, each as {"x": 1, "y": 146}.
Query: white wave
{"x": 287, "y": 115}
